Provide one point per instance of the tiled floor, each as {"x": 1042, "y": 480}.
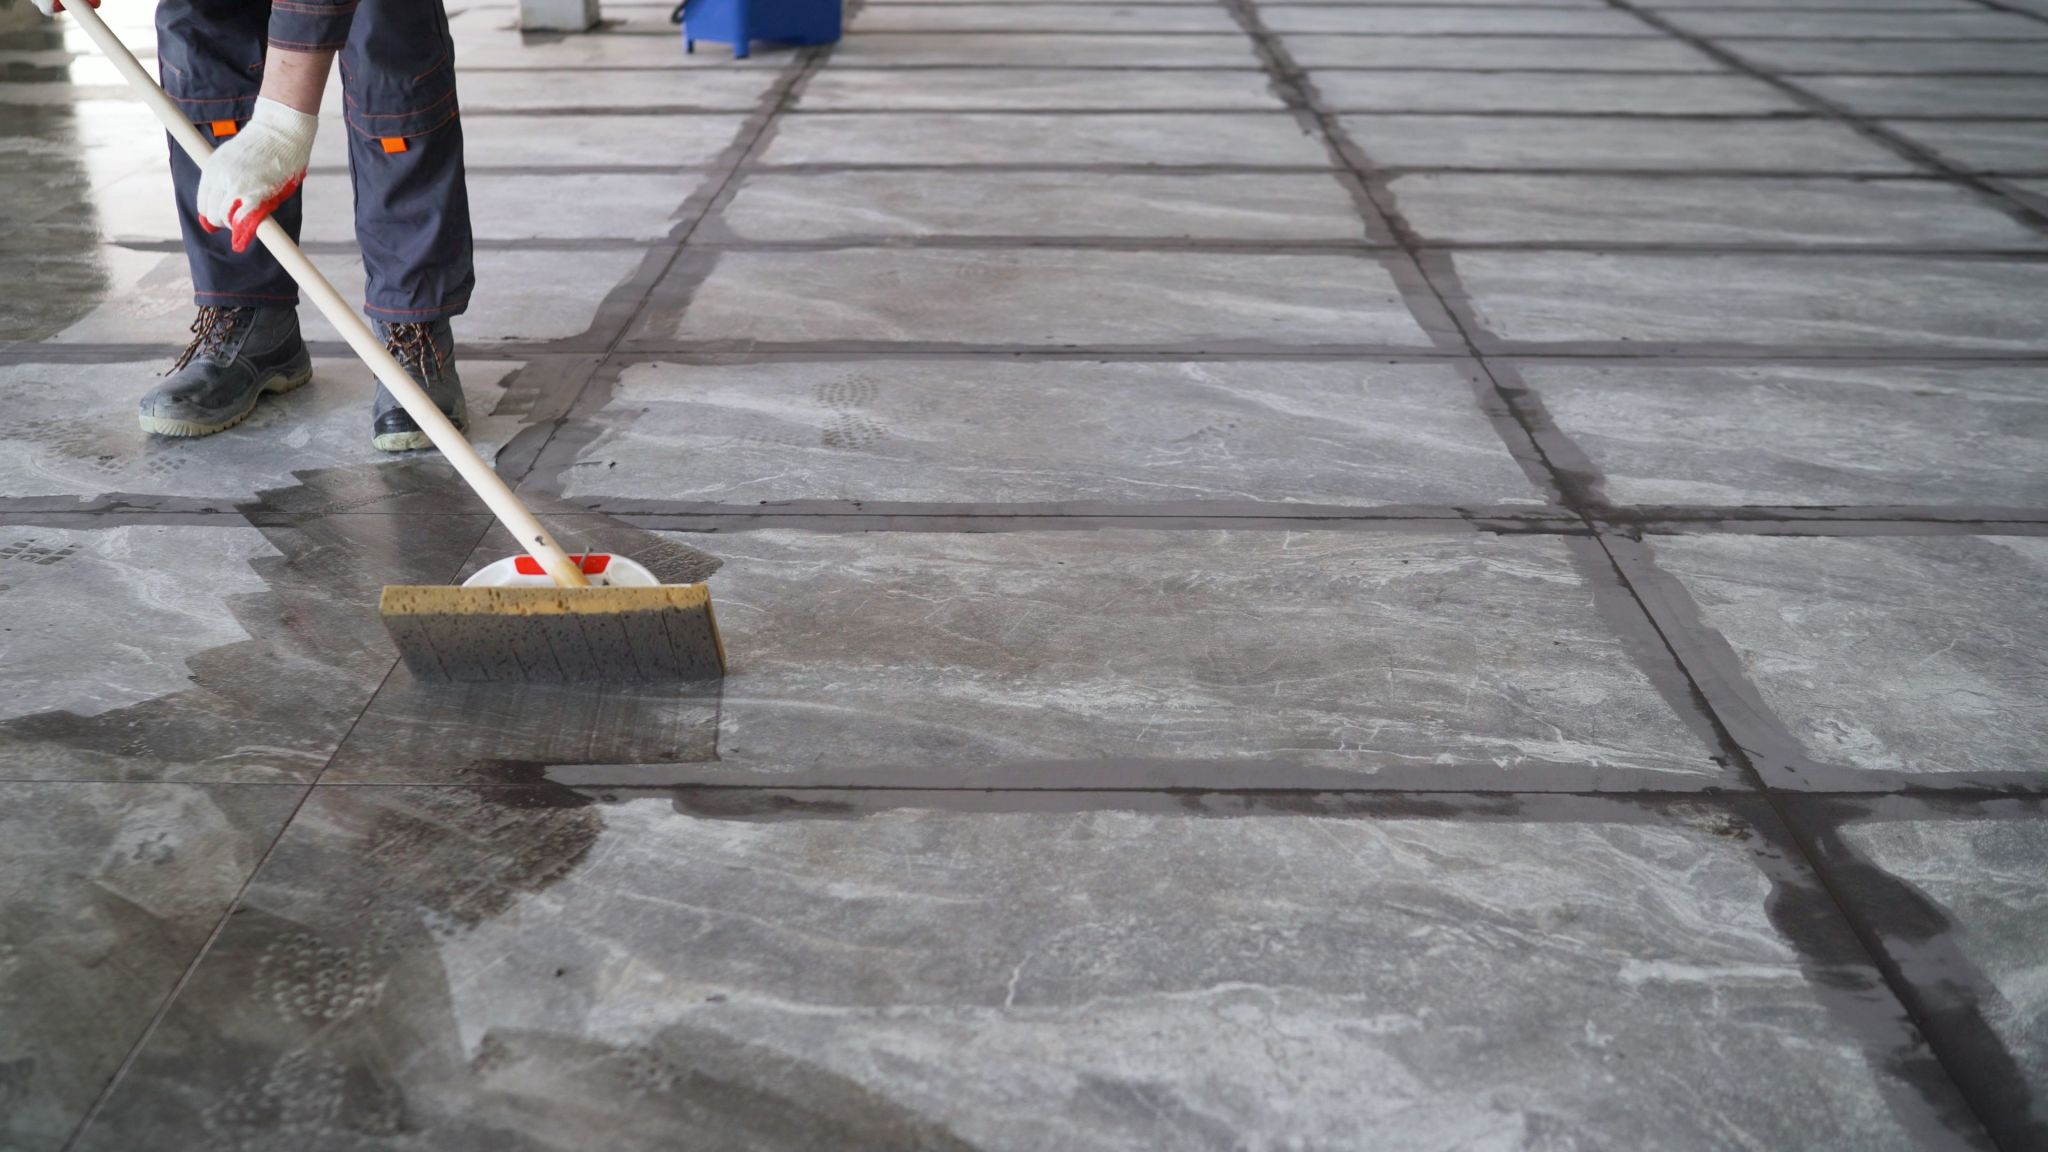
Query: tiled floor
{"x": 1299, "y": 575}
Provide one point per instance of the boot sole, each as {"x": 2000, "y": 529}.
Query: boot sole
{"x": 276, "y": 385}
{"x": 414, "y": 441}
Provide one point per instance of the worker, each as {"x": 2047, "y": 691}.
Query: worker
{"x": 251, "y": 73}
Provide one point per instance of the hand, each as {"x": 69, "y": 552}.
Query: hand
{"x": 257, "y": 169}
{"x": 52, "y": 7}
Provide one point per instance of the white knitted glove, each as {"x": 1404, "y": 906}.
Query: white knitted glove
{"x": 257, "y": 169}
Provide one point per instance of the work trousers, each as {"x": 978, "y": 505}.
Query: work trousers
{"x": 397, "y": 62}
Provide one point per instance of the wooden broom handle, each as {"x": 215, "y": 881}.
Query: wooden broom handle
{"x": 455, "y": 447}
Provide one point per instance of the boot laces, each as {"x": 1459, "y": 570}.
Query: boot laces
{"x": 210, "y": 332}
{"x": 412, "y": 345}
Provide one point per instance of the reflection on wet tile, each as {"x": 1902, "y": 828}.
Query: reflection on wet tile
{"x": 1046, "y": 298}
{"x": 867, "y": 48}
{"x": 1547, "y": 92}
{"x": 1253, "y": 139}
{"x": 198, "y": 653}
{"x": 1859, "y": 301}
{"x": 457, "y": 970}
{"x": 521, "y": 296}
{"x": 1559, "y": 53}
{"x": 921, "y": 431}
{"x": 1634, "y": 144}
{"x": 1938, "y": 95}
{"x": 938, "y": 89}
{"x": 107, "y": 892}
{"x": 1957, "y": 897}
{"x": 1792, "y": 213}
{"x": 70, "y": 429}
{"x": 1908, "y": 654}
{"x": 1296, "y": 19}
{"x": 1808, "y": 435}
{"x": 886, "y": 17}
{"x": 1985, "y": 145}
{"x": 839, "y": 205}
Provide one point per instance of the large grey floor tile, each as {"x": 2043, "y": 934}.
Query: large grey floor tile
{"x": 573, "y": 141}
{"x": 1862, "y": 25}
{"x": 1856, "y": 301}
{"x": 455, "y": 970}
{"x": 1919, "y": 655}
{"x": 839, "y": 205}
{"x": 1556, "y": 53}
{"x": 865, "y": 48}
{"x": 71, "y": 430}
{"x": 1937, "y": 95}
{"x": 1131, "y": 18}
{"x": 979, "y": 432}
{"x": 107, "y": 892}
{"x": 1805, "y": 435}
{"x": 1794, "y": 57}
{"x": 1005, "y": 89}
{"x": 1044, "y": 298}
{"x": 739, "y": 89}
{"x": 1077, "y": 658}
{"x": 146, "y": 297}
{"x": 210, "y": 654}
{"x": 1251, "y": 139}
{"x": 1394, "y": 91}
{"x": 1987, "y": 146}
{"x": 1486, "y": 208}
{"x": 1956, "y": 895}
{"x": 1621, "y": 143}
{"x": 1431, "y": 21}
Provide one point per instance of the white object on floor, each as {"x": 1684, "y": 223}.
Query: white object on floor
{"x": 557, "y": 15}
{"x": 604, "y": 570}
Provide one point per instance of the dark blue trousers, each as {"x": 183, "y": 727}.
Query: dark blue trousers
{"x": 397, "y": 63}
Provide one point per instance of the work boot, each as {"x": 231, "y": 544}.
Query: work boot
{"x": 427, "y": 352}
{"x": 236, "y": 355}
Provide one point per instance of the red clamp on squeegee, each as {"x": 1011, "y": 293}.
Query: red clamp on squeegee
{"x": 592, "y": 564}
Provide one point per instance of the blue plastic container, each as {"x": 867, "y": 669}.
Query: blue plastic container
{"x": 740, "y": 22}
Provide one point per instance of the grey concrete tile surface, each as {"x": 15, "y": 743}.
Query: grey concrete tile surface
{"x": 937, "y": 89}
{"x": 1395, "y": 91}
{"x": 1251, "y": 139}
{"x": 1297, "y": 19}
{"x": 738, "y": 89}
{"x": 1985, "y": 146}
{"x": 864, "y": 48}
{"x": 146, "y": 297}
{"x": 1130, "y": 18}
{"x": 1956, "y": 895}
{"x": 1937, "y": 95}
{"x": 1042, "y": 297}
{"x": 1900, "y": 654}
{"x": 1795, "y": 57}
{"x": 214, "y": 654}
{"x": 1871, "y": 302}
{"x": 1485, "y": 208}
{"x": 1862, "y": 25}
{"x": 1537, "y": 142}
{"x": 1351, "y": 433}
{"x": 490, "y": 141}
{"x": 1806, "y": 434}
{"x": 837, "y": 205}
{"x": 70, "y": 430}
{"x": 107, "y": 892}
{"x": 1560, "y": 53}
{"x": 511, "y": 970}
